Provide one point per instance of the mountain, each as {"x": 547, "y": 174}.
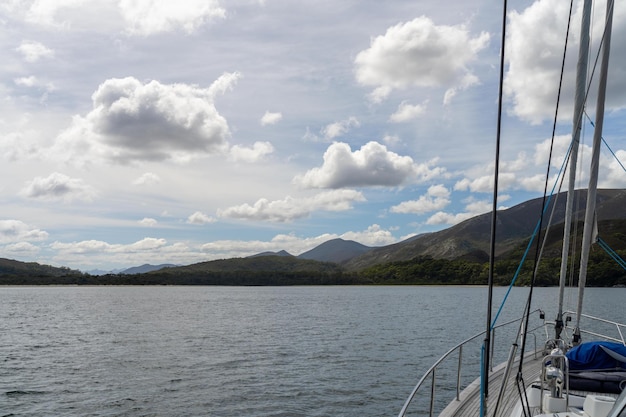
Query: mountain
{"x": 336, "y": 250}
{"x": 145, "y": 268}
{"x": 97, "y": 272}
{"x": 340, "y": 261}
{"x": 470, "y": 239}
{"x": 279, "y": 253}
{"x": 11, "y": 267}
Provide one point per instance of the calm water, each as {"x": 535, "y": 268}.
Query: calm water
{"x": 232, "y": 351}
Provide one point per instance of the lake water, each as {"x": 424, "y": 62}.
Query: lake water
{"x": 235, "y": 351}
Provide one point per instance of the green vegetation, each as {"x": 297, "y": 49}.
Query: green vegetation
{"x": 273, "y": 270}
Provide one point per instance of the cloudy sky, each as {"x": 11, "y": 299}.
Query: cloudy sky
{"x": 152, "y": 131}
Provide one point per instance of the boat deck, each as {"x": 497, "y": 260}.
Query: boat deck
{"x": 468, "y": 404}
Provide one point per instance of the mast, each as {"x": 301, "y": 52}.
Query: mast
{"x": 494, "y": 215}
{"x": 579, "y": 101}
{"x": 588, "y": 231}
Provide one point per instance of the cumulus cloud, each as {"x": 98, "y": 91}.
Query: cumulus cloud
{"x": 484, "y": 183}
{"x": 96, "y": 246}
{"x": 614, "y": 173}
{"x": 147, "y": 178}
{"x": 532, "y": 78}
{"x": 135, "y": 121}
{"x": 18, "y": 231}
{"x": 372, "y": 165}
{"x": 34, "y": 82}
{"x": 200, "y": 218}
{"x": 290, "y": 208}
{"x": 148, "y": 222}
{"x": 436, "y": 198}
{"x": 20, "y": 145}
{"x": 147, "y": 17}
{"x": 419, "y": 53}
{"x": 34, "y": 51}
{"x": 340, "y": 128}
{"x": 447, "y": 218}
{"x": 473, "y": 208}
{"x": 527, "y": 172}
{"x": 271, "y": 118}
{"x": 147, "y": 250}
{"x": 57, "y": 186}
{"x": 407, "y": 112}
{"x": 21, "y": 249}
{"x": 139, "y": 17}
{"x": 374, "y": 235}
{"x": 45, "y": 12}
{"x": 534, "y": 62}
{"x": 257, "y": 152}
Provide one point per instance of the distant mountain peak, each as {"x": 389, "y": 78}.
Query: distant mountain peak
{"x": 145, "y": 268}
{"x": 269, "y": 253}
{"x": 336, "y": 250}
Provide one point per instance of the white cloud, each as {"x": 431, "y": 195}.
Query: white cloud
{"x": 374, "y": 235}
{"x": 532, "y": 79}
{"x": 21, "y": 249}
{"x": 45, "y": 12}
{"x": 136, "y": 17}
{"x": 473, "y": 208}
{"x": 148, "y": 250}
{"x": 257, "y": 152}
{"x": 148, "y": 222}
{"x": 436, "y": 198}
{"x": 290, "y": 208}
{"x": 271, "y": 118}
{"x": 34, "y": 51}
{"x": 200, "y": 218}
{"x": 533, "y": 74}
{"x": 147, "y": 17}
{"x": 82, "y": 247}
{"x": 419, "y": 53}
{"x": 484, "y": 184}
{"x": 26, "y": 81}
{"x": 147, "y": 178}
{"x": 340, "y": 128}
{"x": 447, "y": 218}
{"x": 391, "y": 139}
{"x": 95, "y": 246}
{"x": 407, "y": 112}
{"x": 372, "y": 165}
{"x": 133, "y": 121}
{"x": 19, "y": 145}
{"x": 614, "y": 173}
{"x": 476, "y": 207}
{"x": 57, "y": 186}
{"x": 32, "y": 81}
{"x": 18, "y": 231}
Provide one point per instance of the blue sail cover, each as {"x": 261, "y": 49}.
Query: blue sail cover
{"x": 597, "y": 355}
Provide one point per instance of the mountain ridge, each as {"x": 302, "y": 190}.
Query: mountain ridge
{"x": 467, "y": 240}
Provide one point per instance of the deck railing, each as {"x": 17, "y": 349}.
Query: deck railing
{"x": 613, "y": 331}
{"x": 431, "y": 374}
{"x": 619, "y": 328}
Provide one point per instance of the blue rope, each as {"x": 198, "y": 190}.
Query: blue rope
{"x": 612, "y": 253}
{"x": 482, "y": 380}
{"x": 532, "y": 238}
{"x": 613, "y": 153}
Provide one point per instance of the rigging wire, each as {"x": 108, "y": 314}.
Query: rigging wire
{"x": 520, "y": 377}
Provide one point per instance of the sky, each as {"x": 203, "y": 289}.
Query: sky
{"x": 152, "y": 131}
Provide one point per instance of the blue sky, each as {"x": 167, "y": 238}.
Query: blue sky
{"x": 151, "y": 131}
